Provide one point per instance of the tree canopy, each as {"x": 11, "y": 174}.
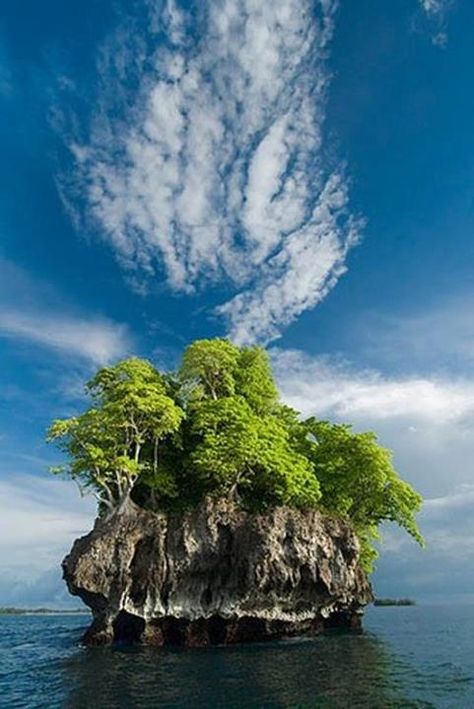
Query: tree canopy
{"x": 117, "y": 440}
{"x": 217, "y": 427}
{"x": 357, "y": 479}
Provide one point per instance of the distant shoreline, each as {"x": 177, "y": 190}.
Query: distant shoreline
{"x": 44, "y": 611}
{"x": 394, "y": 602}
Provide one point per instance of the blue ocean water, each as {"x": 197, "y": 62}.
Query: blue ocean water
{"x": 420, "y": 656}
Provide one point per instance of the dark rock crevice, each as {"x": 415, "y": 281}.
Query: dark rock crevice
{"x": 128, "y": 628}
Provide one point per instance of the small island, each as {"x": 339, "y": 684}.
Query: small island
{"x": 44, "y": 611}
{"x": 223, "y": 516}
{"x": 394, "y": 602}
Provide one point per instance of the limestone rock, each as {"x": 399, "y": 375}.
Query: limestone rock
{"x": 216, "y": 575}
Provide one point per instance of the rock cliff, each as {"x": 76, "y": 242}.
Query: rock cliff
{"x": 216, "y": 575}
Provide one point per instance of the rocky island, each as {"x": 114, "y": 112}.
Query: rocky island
{"x": 217, "y": 575}
{"x": 223, "y": 517}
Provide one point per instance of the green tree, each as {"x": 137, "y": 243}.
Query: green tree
{"x": 357, "y": 479}
{"x": 94, "y": 457}
{"x": 209, "y": 366}
{"x": 243, "y": 455}
{"x": 117, "y": 440}
{"x": 254, "y": 380}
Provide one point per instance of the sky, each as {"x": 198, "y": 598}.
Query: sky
{"x": 297, "y": 174}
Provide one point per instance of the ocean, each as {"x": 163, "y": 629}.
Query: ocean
{"x": 420, "y": 656}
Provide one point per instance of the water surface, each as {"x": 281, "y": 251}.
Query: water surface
{"x": 418, "y": 656}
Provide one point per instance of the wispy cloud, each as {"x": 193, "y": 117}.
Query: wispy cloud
{"x": 29, "y": 312}
{"x": 217, "y": 171}
{"x": 436, "y": 338}
{"x": 97, "y": 340}
{"x": 318, "y": 385}
{"x": 427, "y": 421}
{"x": 434, "y": 7}
{"x": 461, "y": 497}
{"x": 436, "y": 11}
{"x": 39, "y": 520}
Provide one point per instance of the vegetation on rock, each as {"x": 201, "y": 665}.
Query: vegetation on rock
{"x": 217, "y": 427}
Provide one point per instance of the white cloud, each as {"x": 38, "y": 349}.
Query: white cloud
{"x": 437, "y": 338}
{"x": 297, "y": 278}
{"x": 434, "y": 7}
{"x": 324, "y": 387}
{"x": 436, "y": 11}
{"x": 97, "y": 340}
{"x": 217, "y": 171}
{"x": 461, "y": 497}
{"x": 39, "y": 520}
{"x": 427, "y": 421}
{"x": 29, "y": 311}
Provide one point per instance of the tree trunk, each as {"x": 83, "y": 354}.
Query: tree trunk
{"x": 137, "y": 452}
{"x": 233, "y": 494}
{"x": 126, "y": 505}
{"x": 154, "y": 499}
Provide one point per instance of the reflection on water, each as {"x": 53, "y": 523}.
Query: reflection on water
{"x": 408, "y": 657}
{"x": 339, "y": 670}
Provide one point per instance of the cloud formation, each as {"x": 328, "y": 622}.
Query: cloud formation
{"x": 436, "y": 11}
{"x": 97, "y": 340}
{"x": 436, "y": 338}
{"x": 216, "y": 173}
{"x": 321, "y": 386}
{"x": 427, "y": 421}
{"x": 434, "y": 7}
{"x": 39, "y": 523}
{"x": 29, "y": 312}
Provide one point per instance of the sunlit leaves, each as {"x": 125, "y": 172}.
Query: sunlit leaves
{"x": 106, "y": 445}
{"x": 358, "y": 479}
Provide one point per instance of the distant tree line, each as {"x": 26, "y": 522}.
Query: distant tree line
{"x": 217, "y": 427}
{"x": 394, "y": 602}
{"x": 41, "y": 611}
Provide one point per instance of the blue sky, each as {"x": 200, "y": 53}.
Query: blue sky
{"x": 293, "y": 173}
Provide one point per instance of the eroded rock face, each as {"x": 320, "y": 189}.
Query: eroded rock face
{"x": 216, "y": 575}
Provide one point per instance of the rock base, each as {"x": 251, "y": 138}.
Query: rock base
{"x": 129, "y": 629}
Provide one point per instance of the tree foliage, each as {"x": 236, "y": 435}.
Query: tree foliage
{"x": 254, "y": 380}
{"x": 117, "y": 440}
{"x": 241, "y": 453}
{"x": 217, "y": 427}
{"x": 210, "y": 366}
{"x": 358, "y": 480}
